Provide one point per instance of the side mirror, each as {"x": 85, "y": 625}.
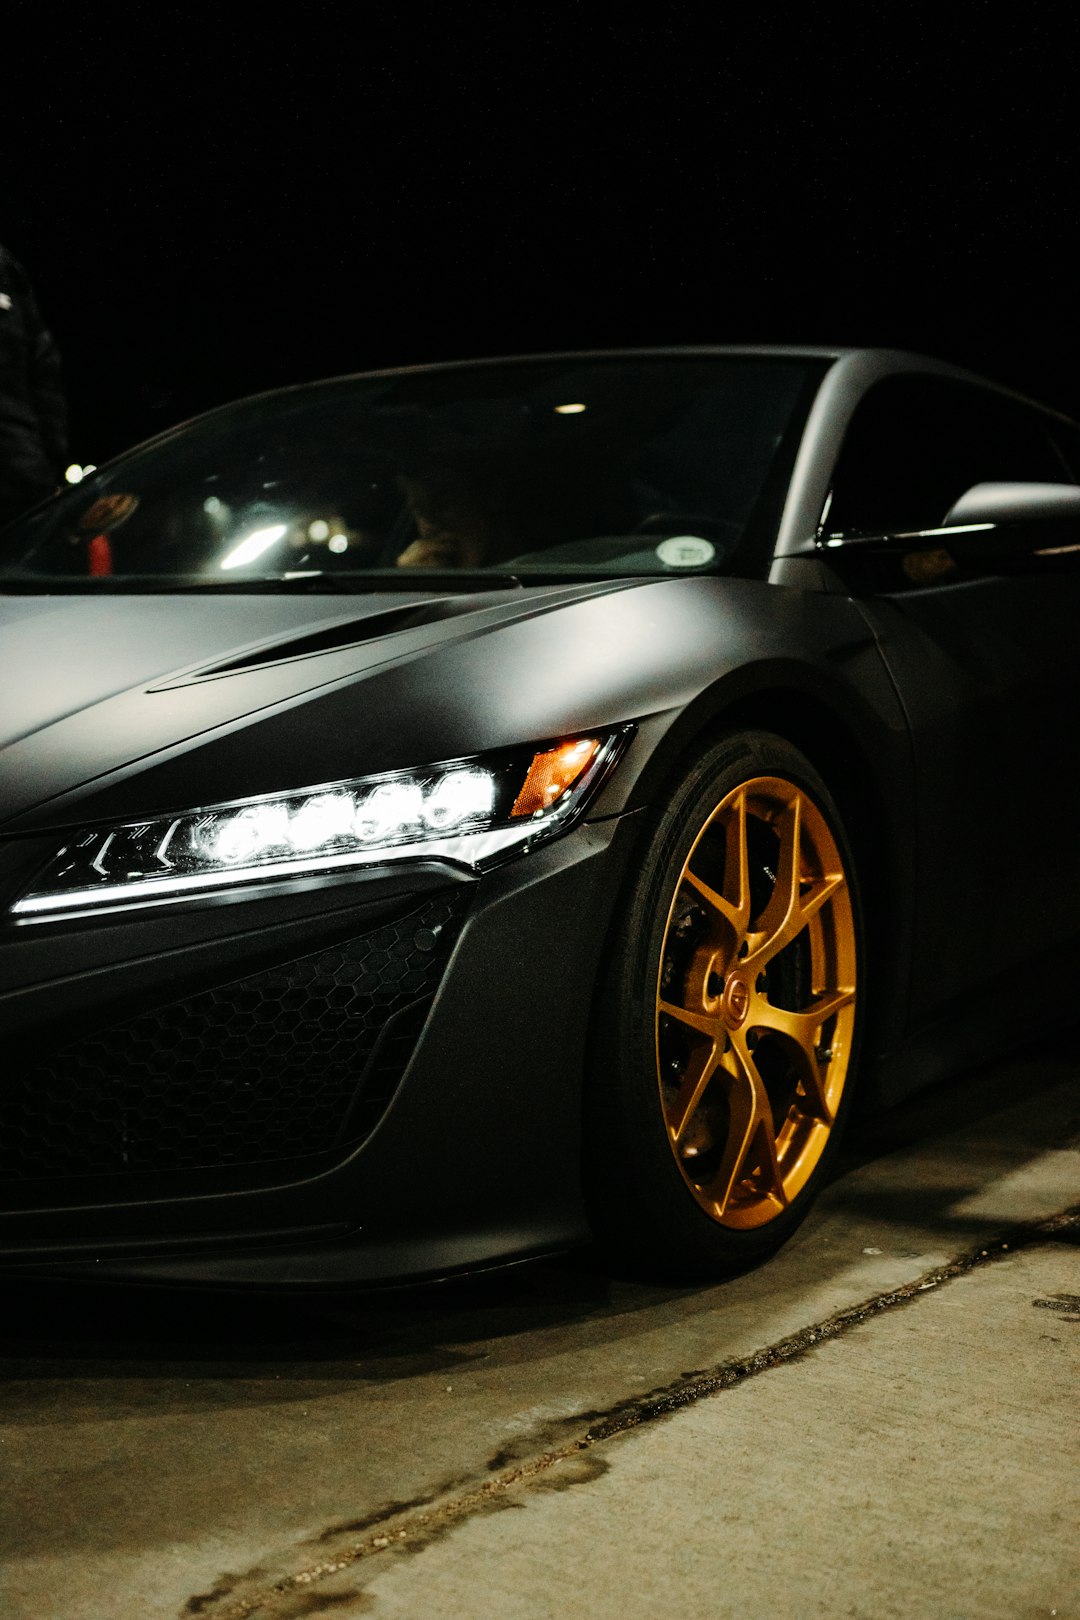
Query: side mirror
{"x": 992, "y": 529}
{"x": 1015, "y": 503}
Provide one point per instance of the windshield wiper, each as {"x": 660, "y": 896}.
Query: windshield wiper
{"x": 412, "y": 579}
{"x": 401, "y": 579}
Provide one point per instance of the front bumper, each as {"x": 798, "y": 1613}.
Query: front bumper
{"x": 348, "y": 1081}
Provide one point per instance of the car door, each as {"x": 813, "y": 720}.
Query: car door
{"x": 986, "y": 659}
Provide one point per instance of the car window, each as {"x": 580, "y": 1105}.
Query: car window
{"x": 916, "y": 444}
{"x": 581, "y": 467}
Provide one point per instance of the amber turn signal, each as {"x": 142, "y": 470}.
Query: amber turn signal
{"x": 551, "y": 773}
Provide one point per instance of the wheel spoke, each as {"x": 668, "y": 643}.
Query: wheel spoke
{"x": 775, "y": 928}
{"x": 790, "y": 906}
{"x": 712, "y": 898}
{"x": 692, "y": 1089}
{"x": 811, "y": 902}
{"x": 802, "y": 1030}
{"x": 700, "y": 1023}
{"x": 733, "y": 905}
{"x": 765, "y": 1159}
{"x": 785, "y": 894}
{"x": 800, "y": 1027}
{"x": 737, "y": 864}
{"x": 751, "y": 1143}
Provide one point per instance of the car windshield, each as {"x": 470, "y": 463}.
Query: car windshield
{"x": 529, "y": 469}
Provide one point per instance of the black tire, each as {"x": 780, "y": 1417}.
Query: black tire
{"x": 687, "y": 1192}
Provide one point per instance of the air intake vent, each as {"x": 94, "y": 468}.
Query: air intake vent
{"x": 294, "y": 1060}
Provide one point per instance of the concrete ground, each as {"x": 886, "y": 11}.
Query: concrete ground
{"x": 881, "y": 1422}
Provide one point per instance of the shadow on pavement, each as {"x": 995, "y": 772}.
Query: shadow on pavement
{"x": 61, "y": 1327}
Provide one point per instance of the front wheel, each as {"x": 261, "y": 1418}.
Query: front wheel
{"x": 728, "y": 1017}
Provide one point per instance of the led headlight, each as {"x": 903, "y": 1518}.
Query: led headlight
{"x": 472, "y": 811}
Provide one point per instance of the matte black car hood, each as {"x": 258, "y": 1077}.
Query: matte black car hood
{"x": 90, "y": 686}
{"x": 131, "y": 706}
{"x": 62, "y": 654}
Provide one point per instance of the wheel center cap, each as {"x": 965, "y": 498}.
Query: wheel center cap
{"x": 736, "y": 1001}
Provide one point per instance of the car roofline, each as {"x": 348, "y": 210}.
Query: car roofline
{"x": 846, "y": 364}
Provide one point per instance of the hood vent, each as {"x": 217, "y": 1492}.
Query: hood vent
{"x": 355, "y": 631}
{"x": 347, "y": 633}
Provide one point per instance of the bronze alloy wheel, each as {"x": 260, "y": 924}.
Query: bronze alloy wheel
{"x": 727, "y": 1023}
{"x": 755, "y": 1002}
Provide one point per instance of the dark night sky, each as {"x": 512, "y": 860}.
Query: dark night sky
{"x": 206, "y": 212}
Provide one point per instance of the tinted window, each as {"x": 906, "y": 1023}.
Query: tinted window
{"x": 581, "y": 467}
{"x": 916, "y": 444}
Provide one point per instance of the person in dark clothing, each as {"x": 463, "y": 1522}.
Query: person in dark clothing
{"x": 33, "y": 414}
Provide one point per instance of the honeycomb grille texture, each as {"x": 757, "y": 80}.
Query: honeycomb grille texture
{"x": 289, "y": 1061}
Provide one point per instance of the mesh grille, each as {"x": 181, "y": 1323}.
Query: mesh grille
{"x": 292, "y": 1060}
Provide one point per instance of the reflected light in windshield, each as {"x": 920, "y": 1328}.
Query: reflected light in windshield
{"x": 253, "y": 545}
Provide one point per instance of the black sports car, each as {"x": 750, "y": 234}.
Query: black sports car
{"x": 445, "y": 812}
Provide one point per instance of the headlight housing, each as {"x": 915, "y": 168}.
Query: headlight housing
{"x": 471, "y": 811}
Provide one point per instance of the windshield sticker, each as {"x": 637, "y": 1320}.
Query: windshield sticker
{"x": 686, "y": 551}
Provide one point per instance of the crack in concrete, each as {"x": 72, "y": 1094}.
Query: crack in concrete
{"x": 429, "y": 1519}
{"x": 1067, "y": 1306}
